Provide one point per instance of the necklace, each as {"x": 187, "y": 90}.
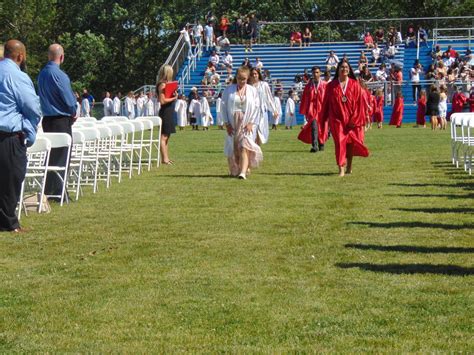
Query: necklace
{"x": 241, "y": 92}
{"x": 344, "y": 88}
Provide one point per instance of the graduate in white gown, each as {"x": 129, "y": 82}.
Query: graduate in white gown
{"x": 206, "y": 117}
{"x": 117, "y": 105}
{"x": 195, "y": 111}
{"x": 108, "y": 105}
{"x": 181, "y": 109}
{"x": 219, "y": 119}
{"x": 150, "y": 105}
{"x": 130, "y": 106}
{"x": 240, "y": 109}
{"x": 266, "y": 104}
{"x": 85, "y": 107}
{"x": 141, "y": 100}
{"x": 277, "y": 100}
{"x": 290, "y": 110}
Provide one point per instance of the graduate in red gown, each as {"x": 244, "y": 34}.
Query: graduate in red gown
{"x": 421, "y": 111}
{"x": 368, "y": 103}
{"x": 471, "y": 100}
{"x": 311, "y": 106}
{"x": 378, "y": 108}
{"x": 344, "y": 109}
{"x": 458, "y": 102}
{"x": 397, "y": 112}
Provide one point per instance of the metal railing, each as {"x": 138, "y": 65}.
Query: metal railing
{"x": 438, "y": 34}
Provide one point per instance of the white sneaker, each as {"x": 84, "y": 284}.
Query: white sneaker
{"x": 242, "y": 176}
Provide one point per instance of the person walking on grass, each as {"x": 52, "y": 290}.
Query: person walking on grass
{"x": 240, "y": 112}
{"x": 432, "y": 106}
{"x": 397, "y": 111}
{"x": 344, "y": 110}
{"x": 421, "y": 110}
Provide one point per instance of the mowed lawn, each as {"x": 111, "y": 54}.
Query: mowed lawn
{"x": 183, "y": 258}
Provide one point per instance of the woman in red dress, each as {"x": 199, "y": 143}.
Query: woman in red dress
{"x": 378, "y": 110}
{"x": 420, "y": 113}
{"x": 344, "y": 108}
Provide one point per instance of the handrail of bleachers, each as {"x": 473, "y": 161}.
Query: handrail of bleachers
{"x": 401, "y": 19}
{"x": 437, "y": 36}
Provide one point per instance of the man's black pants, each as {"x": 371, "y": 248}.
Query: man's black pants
{"x": 12, "y": 174}
{"x": 58, "y": 156}
{"x": 314, "y": 134}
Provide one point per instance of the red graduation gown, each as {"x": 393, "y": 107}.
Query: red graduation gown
{"x": 346, "y": 119}
{"x": 471, "y": 102}
{"x": 421, "y": 111}
{"x": 397, "y": 113}
{"x": 311, "y": 106}
{"x": 378, "y": 109}
{"x": 458, "y": 103}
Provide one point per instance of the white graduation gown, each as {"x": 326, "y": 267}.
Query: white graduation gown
{"x": 276, "y": 120}
{"x": 129, "y": 108}
{"x": 206, "y": 117}
{"x": 117, "y": 106}
{"x": 85, "y": 108}
{"x": 108, "y": 106}
{"x": 181, "y": 108}
{"x": 150, "y": 107}
{"x": 219, "y": 119}
{"x": 195, "y": 110}
{"x": 251, "y": 115}
{"x": 289, "y": 111}
{"x": 141, "y": 106}
{"x": 266, "y": 104}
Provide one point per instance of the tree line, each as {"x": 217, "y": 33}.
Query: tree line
{"x": 120, "y": 45}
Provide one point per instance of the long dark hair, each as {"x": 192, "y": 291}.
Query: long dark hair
{"x": 351, "y": 72}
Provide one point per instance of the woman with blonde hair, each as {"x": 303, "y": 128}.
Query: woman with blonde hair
{"x": 240, "y": 111}
{"x": 165, "y": 75}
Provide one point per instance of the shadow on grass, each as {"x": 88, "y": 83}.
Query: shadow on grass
{"x": 436, "y": 210}
{"x": 453, "y": 270}
{"x": 414, "y": 225}
{"x": 299, "y": 174}
{"x": 466, "y": 185}
{"x": 450, "y": 196}
{"x": 202, "y": 176}
{"x": 412, "y": 249}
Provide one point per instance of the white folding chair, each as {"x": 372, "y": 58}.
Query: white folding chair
{"x": 60, "y": 140}
{"x": 469, "y": 143}
{"x": 114, "y": 119}
{"x": 456, "y": 137}
{"x": 147, "y": 140}
{"x": 35, "y": 178}
{"x": 90, "y": 160}
{"x": 137, "y": 143}
{"x": 156, "y": 141}
{"x": 76, "y": 162}
{"x": 86, "y": 119}
{"x": 116, "y": 149}
{"x": 127, "y": 146}
{"x": 104, "y": 153}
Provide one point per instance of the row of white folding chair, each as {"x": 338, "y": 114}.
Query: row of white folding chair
{"x": 462, "y": 138}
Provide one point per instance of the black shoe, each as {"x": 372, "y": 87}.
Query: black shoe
{"x": 313, "y": 150}
{"x": 321, "y": 147}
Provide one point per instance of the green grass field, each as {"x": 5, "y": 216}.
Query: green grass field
{"x": 185, "y": 259}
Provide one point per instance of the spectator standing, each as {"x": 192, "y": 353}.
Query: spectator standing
{"x": 415, "y": 79}
{"x": 165, "y": 75}
{"x": 198, "y": 30}
{"x": 247, "y": 30}
{"x": 209, "y": 33}
{"x": 432, "y": 106}
{"x": 20, "y": 114}
{"x": 187, "y": 40}
{"x": 410, "y": 36}
{"x": 117, "y": 104}
{"x": 108, "y": 105}
{"x": 224, "y": 25}
{"x": 443, "y": 107}
{"x": 254, "y": 26}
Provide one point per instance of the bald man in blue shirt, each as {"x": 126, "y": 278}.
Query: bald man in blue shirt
{"x": 58, "y": 104}
{"x": 20, "y": 114}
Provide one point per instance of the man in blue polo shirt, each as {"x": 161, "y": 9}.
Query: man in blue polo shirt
{"x": 20, "y": 114}
{"x": 59, "y": 110}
